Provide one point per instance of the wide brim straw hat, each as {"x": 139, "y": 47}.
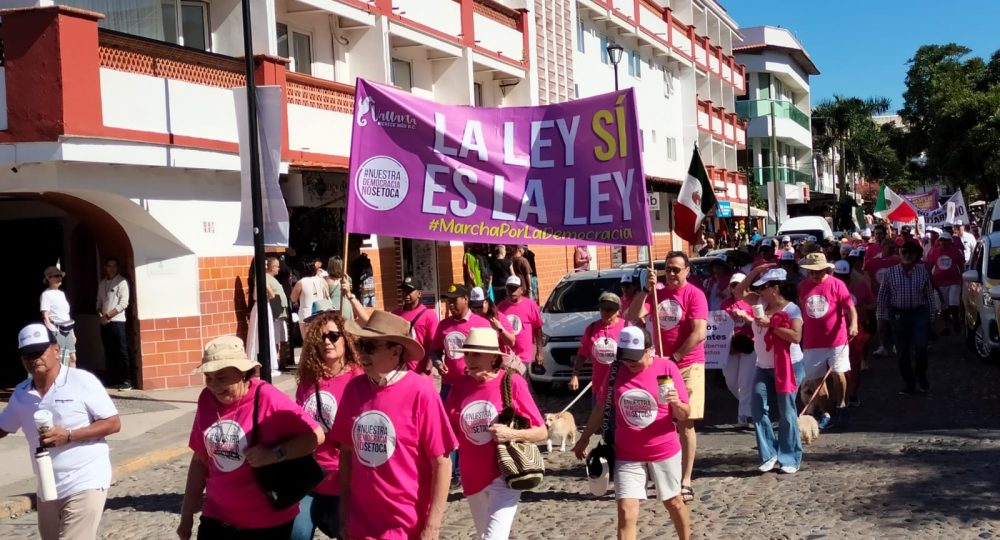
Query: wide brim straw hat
{"x": 481, "y": 340}
{"x": 223, "y": 352}
{"x": 385, "y": 326}
{"x": 815, "y": 261}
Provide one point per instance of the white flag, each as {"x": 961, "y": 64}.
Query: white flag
{"x": 275, "y": 211}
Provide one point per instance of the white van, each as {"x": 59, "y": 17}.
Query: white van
{"x": 814, "y": 225}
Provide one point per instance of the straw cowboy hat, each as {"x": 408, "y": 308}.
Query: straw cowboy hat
{"x": 385, "y": 326}
{"x": 223, "y": 352}
{"x": 481, "y": 340}
{"x": 815, "y": 261}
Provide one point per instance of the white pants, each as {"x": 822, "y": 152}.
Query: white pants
{"x": 493, "y": 510}
{"x": 739, "y": 373}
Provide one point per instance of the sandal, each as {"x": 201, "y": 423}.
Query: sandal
{"x": 687, "y": 494}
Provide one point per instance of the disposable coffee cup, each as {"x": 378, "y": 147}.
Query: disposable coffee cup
{"x": 43, "y": 420}
{"x": 758, "y": 311}
{"x": 665, "y": 383}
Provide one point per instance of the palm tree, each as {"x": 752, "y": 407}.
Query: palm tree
{"x": 846, "y": 123}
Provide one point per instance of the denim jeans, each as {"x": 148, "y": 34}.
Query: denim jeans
{"x": 910, "y": 328}
{"x": 317, "y": 512}
{"x": 213, "y": 529}
{"x": 788, "y": 446}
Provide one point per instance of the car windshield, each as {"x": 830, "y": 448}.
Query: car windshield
{"x": 574, "y": 296}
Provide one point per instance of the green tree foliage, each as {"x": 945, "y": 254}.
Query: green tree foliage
{"x": 952, "y": 106}
{"x": 845, "y": 123}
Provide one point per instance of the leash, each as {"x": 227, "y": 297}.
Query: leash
{"x": 816, "y": 392}
{"x": 577, "y": 398}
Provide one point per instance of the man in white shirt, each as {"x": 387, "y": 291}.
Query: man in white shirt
{"x": 968, "y": 241}
{"x": 83, "y": 415}
{"x": 112, "y": 300}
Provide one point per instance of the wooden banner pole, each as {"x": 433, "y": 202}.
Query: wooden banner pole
{"x": 656, "y": 305}
{"x": 347, "y": 238}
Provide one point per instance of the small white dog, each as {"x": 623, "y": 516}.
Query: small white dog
{"x": 808, "y": 429}
{"x": 561, "y": 426}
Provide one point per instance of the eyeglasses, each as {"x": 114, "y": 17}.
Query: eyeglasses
{"x": 674, "y": 270}
{"x": 369, "y": 346}
{"x": 332, "y": 337}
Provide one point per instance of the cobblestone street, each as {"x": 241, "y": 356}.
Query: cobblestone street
{"x": 911, "y": 467}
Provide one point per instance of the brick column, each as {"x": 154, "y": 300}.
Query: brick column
{"x": 52, "y": 71}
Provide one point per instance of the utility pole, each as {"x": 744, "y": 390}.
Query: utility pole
{"x": 260, "y": 280}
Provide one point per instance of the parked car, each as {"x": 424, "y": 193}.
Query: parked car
{"x": 991, "y": 218}
{"x": 571, "y": 306}
{"x": 814, "y": 225}
{"x": 980, "y": 307}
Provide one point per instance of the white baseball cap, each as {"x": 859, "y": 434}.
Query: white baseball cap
{"x": 787, "y": 256}
{"x": 631, "y": 343}
{"x": 841, "y": 267}
{"x": 786, "y": 238}
{"x": 945, "y": 235}
{"x": 774, "y": 274}
{"x": 477, "y": 295}
{"x": 767, "y": 242}
{"x": 513, "y": 281}
{"x": 856, "y": 253}
{"x": 867, "y": 233}
{"x": 34, "y": 339}
{"x": 737, "y": 277}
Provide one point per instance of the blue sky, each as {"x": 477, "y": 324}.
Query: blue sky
{"x": 861, "y": 46}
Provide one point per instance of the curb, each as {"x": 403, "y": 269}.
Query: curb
{"x": 22, "y": 504}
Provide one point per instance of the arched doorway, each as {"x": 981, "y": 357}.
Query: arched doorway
{"x": 45, "y": 229}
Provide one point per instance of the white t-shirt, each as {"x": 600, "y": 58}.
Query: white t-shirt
{"x": 54, "y": 301}
{"x": 968, "y": 244}
{"x": 765, "y": 358}
{"x": 76, "y": 400}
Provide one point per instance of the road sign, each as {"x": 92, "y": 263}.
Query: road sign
{"x": 653, "y": 201}
{"x": 725, "y": 209}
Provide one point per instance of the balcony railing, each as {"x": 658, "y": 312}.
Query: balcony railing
{"x": 788, "y": 175}
{"x": 762, "y": 107}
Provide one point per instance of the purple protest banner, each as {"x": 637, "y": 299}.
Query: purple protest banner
{"x": 566, "y": 174}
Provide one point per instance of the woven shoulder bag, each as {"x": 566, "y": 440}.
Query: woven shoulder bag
{"x": 521, "y": 464}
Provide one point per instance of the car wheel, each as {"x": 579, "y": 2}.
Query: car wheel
{"x": 984, "y": 350}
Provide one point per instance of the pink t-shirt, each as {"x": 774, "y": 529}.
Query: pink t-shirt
{"x": 739, "y": 325}
{"x": 422, "y": 331}
{"x": 947, "y": 265}
{"x": 331, "y": 391}
{"x": 395, "y": 432}
{"x": 221, "y": 433}
{"x": 472, "y": 407}
{"x": 825, "y": 308}
{"x": 876, "y": 267}
{"x": 861, "y": 294}
{"x": 523, "y": 318}
{"x": 677, "y": 309}
{"x": 449, "y": 337}
{"x": 599, "y": 345}
{"x": 644, "y": 427}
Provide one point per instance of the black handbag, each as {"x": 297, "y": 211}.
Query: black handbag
{"x": 742, "y": 343}
{"x": 606, "y": 448}
{"x": 287, "y": 482}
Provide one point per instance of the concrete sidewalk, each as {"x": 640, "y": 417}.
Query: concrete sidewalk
{"x": 156, "y": 426}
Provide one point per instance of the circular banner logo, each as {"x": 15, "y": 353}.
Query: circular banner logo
{"x": 605, "y": 350}
{"x": 670, "y": 313}
{"x": 381, "y": 183}
{"x": 817, "y": 306}
{"x": 638, "y": 407}
{"x": 226, "y": 443}
{"x": 477, "y": 417}
{"x": 329, "y": 409}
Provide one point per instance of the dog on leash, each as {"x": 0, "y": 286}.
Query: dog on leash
{"x": 561, "y": 426}
{"x": 808, "y": 428}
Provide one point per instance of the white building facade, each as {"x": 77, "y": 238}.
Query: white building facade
{"x": 777, "y": 105}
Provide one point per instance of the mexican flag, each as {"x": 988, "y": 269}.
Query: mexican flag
{"x": 894, "y": 207}
{"x": 696, "y": 200}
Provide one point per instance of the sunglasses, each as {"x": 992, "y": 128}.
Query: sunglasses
{"x": 674, "y": 270}
{"x": 816, "y": 272}
{"x": 332, "y": 337}
{"x": 369, "y": 346}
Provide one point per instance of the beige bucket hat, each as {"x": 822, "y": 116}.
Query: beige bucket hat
{"x": 383, "y": 325}
{"x": 815, "y": 261}
{"x": 223, "y": 352}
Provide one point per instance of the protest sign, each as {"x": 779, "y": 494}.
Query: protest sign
{"x": 719, "y": 335}
{"x": 952, "y": 211}
{"x": 565, "y": 174}
{"x": 925, "y": 201}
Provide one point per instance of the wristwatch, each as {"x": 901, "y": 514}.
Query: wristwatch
{"x": 279, "y": 453}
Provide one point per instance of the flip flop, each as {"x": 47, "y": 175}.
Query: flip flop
{"x": 687, "y": 494}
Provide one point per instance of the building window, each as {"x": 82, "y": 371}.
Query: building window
{"x": 604, "y": 50}
{"x": 185, "y": 23}
{"x": 402, "y": 74}
{"x": 580, "y": 36}
{"x": 576, "y": 90}
{"x": 668, "y": 82}
{"x": 477, "y": 94}
{"x": 763, "y": 86}
{"x": 634, "y": 64}
{"x": 297, "y": 47}
{"x": 671, "y": 148}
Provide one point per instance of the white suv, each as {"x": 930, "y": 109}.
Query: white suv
{"x": 569, "y": 309}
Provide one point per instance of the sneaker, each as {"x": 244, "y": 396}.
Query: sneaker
{"x": 456, "y": 482}
{"x": 824, "y": 422}
{"x": 124, "y": 386}
{"x": 768, "y": 465}
{"x": 854, "y": 401}
{"x": 788, "y": 469}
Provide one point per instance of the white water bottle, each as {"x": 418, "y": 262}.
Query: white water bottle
{"x": 43, "y": 461}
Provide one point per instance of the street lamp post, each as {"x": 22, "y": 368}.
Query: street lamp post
{"x": 615, "y": 52}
